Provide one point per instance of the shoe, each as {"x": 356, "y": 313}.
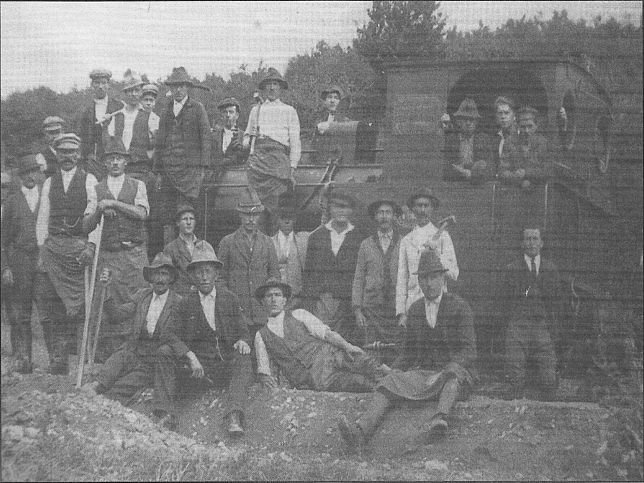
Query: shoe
{"x": 437, "y": 428}
{"x": 168, "y": 421}
{"x": 234, "y": 426}
{"x": 352, "y": 435}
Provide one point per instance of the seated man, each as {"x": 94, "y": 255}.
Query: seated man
{"x": 131, "y": 367}
{"x": 180, "y": 249}
{"x": 207, "y": 331}
{"x": 307, "y": 352}
{"x": 440, "y": 350}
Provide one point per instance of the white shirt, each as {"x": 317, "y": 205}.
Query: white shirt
{"x": 537, "y": 262}
{"x": 337, "y": 238}
{"x": 31, "y": 195}
{"x": 431, "y": 310}
{"x": 42, "y": 220}
{"x": 315, "y": 326}
{"x": 208, "y": 306}
{"x": 411, "y": 246}
{"x": 177, "y": 106}
{"x": 284, "y": 244}
{"x": 226, "y": 139}
{"x": 115, "y": 185}
{"x": 100, "y": 108}
{"x": 190, "y": 241}
{"x": 280, "y": 122}
{"x": 154, "y": 312}
{"x": 385, "y": 239}
{"x": 128, "y": 125}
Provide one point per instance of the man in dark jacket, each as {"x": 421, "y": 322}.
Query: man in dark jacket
{"x": 438, "y": 355}
{"x": 208, "y": 332}
{"x": 531, "y": 304}
{"x": 180, "y": 249}
{"x": 227, "y": 140}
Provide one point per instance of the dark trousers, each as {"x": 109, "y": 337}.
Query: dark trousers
{"x": 174, "y": 378}
{"x": 126, "y": 371}
{"x": 355, "y": 373}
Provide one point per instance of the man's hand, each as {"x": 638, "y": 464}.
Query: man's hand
{"x": 361, "y": 320}
{"x": 105, "y": 277}
{"x": 242, "y": 347}
{"x": 7, "y": 277}
{"x": 402, "y": 321}
{"x": 354, "y": 349}
{"x": 195, "y": 365}
{"x": 268, "y": 383}
{"x": 107, "y": 208}
{"x": 87, "y": 255}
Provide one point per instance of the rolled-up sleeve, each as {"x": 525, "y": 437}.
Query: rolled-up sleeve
{"x": 263, "y": 363}
{"x": 141, "y": 198}
{"x": 315, "y": 326}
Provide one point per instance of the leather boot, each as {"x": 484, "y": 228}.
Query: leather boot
{"x": 373, "y": 416}
{"x": 234, "y": 425}
{"x": 352, "y": 435}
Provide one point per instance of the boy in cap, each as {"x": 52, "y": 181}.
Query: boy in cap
{"x": 207, "y": 330}
{"x": 132, "y": 366}
{"x": 52, "y": 128}
{"x": 180, "y": 249}
{"x": 331, "y": 97}
{"x": 228, "y": 149}
{"x": 19, "y": 258}
{"x": 275, "y": 147}
{"x": 90, "y": 126}
{"x": 249, "y": 258}
{"x": 440, "y": 340}
{"x": 64, "y": 251}
{"x": 149, "y": 94}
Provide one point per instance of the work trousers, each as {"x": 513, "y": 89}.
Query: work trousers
{"x": 127, "y": 371}
{"x": 173, "y": 378}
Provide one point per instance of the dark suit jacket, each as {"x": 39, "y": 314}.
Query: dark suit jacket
{"x": 91, "y": 134}
{"x": 482, "y": 151}
{"x": 181, "y": 257}
{"x": 451, "y": 340}
{"x": 234, "y": 155}
{"x": 192, "y": 123}
{"x": 188, "y": 329}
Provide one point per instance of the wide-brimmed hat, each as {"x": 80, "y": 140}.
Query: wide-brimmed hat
{"x": 100, "y": 73}
{"x": 373, "y": 207}
{"x": 273, "y": 75}
{"x": 429, "y": 263}
{"x": 53, "y": 123}
{"x": 287, "y": 205}
{"x": 181, "y": 209}
{"x": 467, "y": 110}
{"x": 131, "y": 81}
{"x": 68, "y": 140}
{"x": 115, "y": 146}
{"x": 150, "y": 89}
{"x": 179, "y": 76}
{"x": 273, "y": 283}
{"x": 424, "y": 193}
{"x": 249, "y": 202}
{"x": 229, "y": 101}
{"x": 161, "y": 260}
{"x": 27, "y": 163}
{"x": 204, "y": 253}
{"x": 341, "y": 195}
{"x": 328, "y": 90}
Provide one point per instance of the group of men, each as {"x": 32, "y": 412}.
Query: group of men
{"x": 303, "y": 304}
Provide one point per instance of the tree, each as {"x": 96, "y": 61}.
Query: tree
{"x": 401, "y": 30}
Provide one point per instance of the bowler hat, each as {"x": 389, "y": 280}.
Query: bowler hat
{"x": 204, "y": 253}
{"x": 229, "y": 101}
{"x": 341, "y": 195}
{"x": 53, "y": 123}
{"x": 328, "y": 90}
{"x": 273, "y": 75}
{"x": 181, "y": 209}
{"x": 467, "y": 109}
{"x": 373, "y": 207}
{"x": 429, "y": 263}
{"x": 28, "y": 163}
{"x": 68, "y": 140}
{"x": 161, "y": 260}
{"x": 115, "y": 146}
{"x": 100, "y": 73}
{"x": 179, "y": 76}
{"x": 150, "y": 89}
{"x": 249, "y": 202}
{"x": 273, "y": 283}
{"x": 424, "y": 193}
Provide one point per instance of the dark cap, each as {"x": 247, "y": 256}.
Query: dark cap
{"x": 115, "y": 146}
{"x": 229, "y": 101}
{"x": 53, "y": 123}
{"x": 273, "y": 75}
{"x": 429, "y": 263}
{"x": 373, "y": 207}
{"x": 161, "y": 260}
{"x": 272, "y": 283}
{"x": 249, "y": 202}
{"x": 100, "y": 74}
{"x": 68, "y": 140}
{"x": 179, "y": 76}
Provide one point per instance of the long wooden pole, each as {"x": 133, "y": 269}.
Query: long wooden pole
{"x": 99, "y": 318}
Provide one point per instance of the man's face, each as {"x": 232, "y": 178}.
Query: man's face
{"x": 504, "y": 116}
{"x": 186, "y": 223}
{"x": 29, "y": 178}
{"x": 431, "y": 284}
{"x": 384, "y": 218}
{"x": 99, "y": 87}
{"x": 148, "y": 102}
{"x": 67, "y": 158}
{"x": 203, "y": 276}
{"x": 115, "y": 164}
{"x": 179, "y": 92}
{"x": 250, "y": 221}
{"x": 272, "y": 90}
{"x": 51, "y": 135}
{"x": 274, "y": 301}
{"x": 160, "y": 280}
{"x": 467, "y": 125}
{"x": 527, "y": 126}
{"x": 340, "y": 211}
{"x": 285, "y": 224}
{"x": 332, "y": 101}
{"x": 230, "y": 116}
{"x": 423, "y": 209}
{"x": 532, "y": 243}
{"x": 132, "y": 96}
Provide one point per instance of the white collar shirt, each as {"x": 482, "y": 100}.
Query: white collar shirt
{"x": 337, "y": 238}
{"x": 115, "y": 185}
{"x": 537, "y": 262}
{"x": 154, "y": 311}
{"x": 285, "y": 242}
{"x": 208, "y": 306}
{"x": 31, "y": 195}
{"x": 226, "y": 139}
{"x": 177, "y": 106}
{"x": 190, "y": 241}
{"x": 67, "y": 177}
{"x": 431, "y": 310}
{"x": 100, "y": 108}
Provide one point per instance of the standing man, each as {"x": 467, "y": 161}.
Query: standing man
{"x": 330, "y": 265}
{"x": 374, "y": 284}
{"x": 19, "y": 259}
{"x": 423, "y": 237}
{"x": 228, "y": 140}
{"x": 180, "y": 249}
{"x": 273, "y": 138}
{"x": 64, "y": 250}
{"x": 52, "y": 127}
{"x": 532, "y": 306}
{"x": 208, "y": 332}
{"x": 331, "y": 97}
{"x": 440, "y": 341}
{"x": 182, "y": 149}
{"x": 506, "y": 122}
{"x": 248, "y": 258}
{"x": 90, "y": 127}
{"x": 123, "y": 203}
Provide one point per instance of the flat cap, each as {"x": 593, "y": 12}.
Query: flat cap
{"x": 229, "y": 101}
{"x": 150, "y": 89}
{"x": 67, "y": 141}
{"x": 328, "y": 90}
{"x": 100, "y": 73}
{"x": 53, "y": 123}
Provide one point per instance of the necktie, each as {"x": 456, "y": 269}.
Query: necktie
{"x": 533, "y": 268}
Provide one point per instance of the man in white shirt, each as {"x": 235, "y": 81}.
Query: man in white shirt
{"x": 306, "y": 351}
{"x": 273, "y": 137}
{"x": 131, "y": 367}
{"x": 423, "y": 237}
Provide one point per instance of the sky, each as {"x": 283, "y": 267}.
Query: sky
{"x": 56, "y": 44}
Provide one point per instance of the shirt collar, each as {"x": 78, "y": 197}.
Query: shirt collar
{"x": 349, "y": 227}
{"x": 388, "y": 234}
{"x": 278, "y": 319}
{"x": 213, "y": 294}
{"x": 70, "y": 173}
{"x": 101, "y": 101}
{"x": 161, "y": 297}
{"x": 282, "y": 236}
{"x": 192, "y": 238}
{"x": 29, "y": 191}
{"x": 528, "y": 258}
{"x": 116, "y": 179}
{"x": 274, "y": 103}
{"x": 182, "y": 102}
